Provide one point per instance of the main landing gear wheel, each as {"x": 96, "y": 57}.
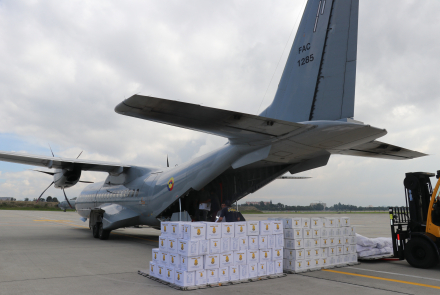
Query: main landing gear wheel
{"x": 95, "y": 231}
{"x": 420, "y": 253}
{"x": 103, "y": 234}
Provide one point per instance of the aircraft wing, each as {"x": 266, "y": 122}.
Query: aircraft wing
{"x": 61, "y": 163}
{"x": 238, "y": 127}
{"x": 377, "y": 149}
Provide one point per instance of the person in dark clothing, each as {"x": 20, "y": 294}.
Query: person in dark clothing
{"x": 215, "y": 205}
{"x": 204, "y": 204}
{"x": 229, "y": 213}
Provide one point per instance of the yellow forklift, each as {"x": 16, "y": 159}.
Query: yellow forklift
{"x": 415, "y": 229}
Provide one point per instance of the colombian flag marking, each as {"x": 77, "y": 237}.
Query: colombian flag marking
{"x": 171, "y": 184}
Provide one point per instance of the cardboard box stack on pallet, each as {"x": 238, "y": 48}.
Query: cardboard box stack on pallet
{"x": 318, "y": 242}
{"x": 209, "y": 253}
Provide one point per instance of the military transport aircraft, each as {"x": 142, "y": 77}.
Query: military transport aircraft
{"x": 310, "y": 118}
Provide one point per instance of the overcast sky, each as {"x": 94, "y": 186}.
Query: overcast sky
{"x": 65, "y": 65}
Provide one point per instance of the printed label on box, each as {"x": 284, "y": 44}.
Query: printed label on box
{"x": 223, "y": 274}
{"x": 225, "y": 245}
{"x": 240, "y": 257}
{"x": 252, "y": 270}
{"x": 253, "y": 242}
{"x": 172, "y": 245}
{"x": 278, "y": 264}
{"x": 213, "y": 230}
{"x": 262, "y": 269}
{"x": 188, "y": 247}
{"x": 253, "y": 228}
{"x": 212, "y": 261}
{"x": 226, "y": 259}
{"x": 200, "y": 277}
{"x": 214, "y": 246}
{"x": 244, "y": 272}
{"x": 262, "y": 242}
{"x": 235, "y": 244}
{"x": 212, "y": 276}
{"x": 240, "y": 229}
{"x": 234, "y": 273}
{"x": 265, "y": 227}
{"x": 184, "y": 278}
{"x": 277, "y": 254}
{"x": 265, "y": 255}
{"x": 277, "y": 227}
{"x": 227, "y": 230}
{"x": 243, "y": 243}
{"x": 253, "y": 256}
{"x": 174, "y": 260}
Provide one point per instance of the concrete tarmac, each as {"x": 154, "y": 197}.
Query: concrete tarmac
{"x": 55, "y": 253}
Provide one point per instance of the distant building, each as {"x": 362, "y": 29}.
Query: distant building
{"x": 314, "y": 204}
{"x": 258, "y": 203}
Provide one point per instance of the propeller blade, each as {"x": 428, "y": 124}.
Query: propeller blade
{"x": 79, "y": 154}
{"x": 45, "y": 191}
{"x": 66, "y": 198}
{"x": 83, "y": 181}
{"x": 51, "y": 151}
{"x": 168, "y": 163}
{"x": 45, "y": 172}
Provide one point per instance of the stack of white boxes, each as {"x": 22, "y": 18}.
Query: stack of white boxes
{"x": 318, "y": 242}
{"x": 206, "y": 253}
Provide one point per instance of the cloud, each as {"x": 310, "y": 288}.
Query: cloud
{"x": 66, "y": 65}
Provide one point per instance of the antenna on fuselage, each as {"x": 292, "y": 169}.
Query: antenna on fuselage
{"x": 168, "y": 163}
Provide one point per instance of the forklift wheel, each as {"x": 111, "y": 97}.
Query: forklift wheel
{"x": 420, "y": 253}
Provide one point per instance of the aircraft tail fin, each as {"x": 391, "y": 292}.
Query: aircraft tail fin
{"x": 318, "y": 81}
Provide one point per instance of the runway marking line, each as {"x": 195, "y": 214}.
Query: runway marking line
{"x": 382, "y": 279}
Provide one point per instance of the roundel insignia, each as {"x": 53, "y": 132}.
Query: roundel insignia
{"x": 171, "y": 184}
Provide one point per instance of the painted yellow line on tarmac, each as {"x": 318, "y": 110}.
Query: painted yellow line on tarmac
{"x": 382, "y": 279}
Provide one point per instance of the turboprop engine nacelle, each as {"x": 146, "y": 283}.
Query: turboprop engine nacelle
{"x": 64, "y": 178}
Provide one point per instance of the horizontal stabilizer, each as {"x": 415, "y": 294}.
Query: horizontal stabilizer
{"x": 377, "y": 149}
{"x": 238, "y": 127}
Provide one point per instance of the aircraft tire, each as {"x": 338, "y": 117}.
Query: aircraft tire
{"x": 103, "y": 234}
{"x": 95, "y": 231}
{"x": 420, "y": 253}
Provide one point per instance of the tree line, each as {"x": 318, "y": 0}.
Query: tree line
{"x": 317, "y": 207}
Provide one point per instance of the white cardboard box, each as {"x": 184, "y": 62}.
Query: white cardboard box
{"x": 353, "y": 249}
{"x": 225, "y": 245}
{"x": 240, "y": 229}
{"x": 308, "y": 263}
{"x": 243, "y": 243}
{"x": 203, "y": 247}
{"x": 172, "y": 245}
{"x": 339, "y": 232}
{"x": 212, "y": 276}
{"x": 235, "y": 244}
{"x": 299, "y": 265}
{"x": 188, "y": 247}
{"x": 279, "y": 240}
{"x": 316, "y": 253}
{"x": 213, "y": 230}
{"x": 191, "y": 263}
{"x": 214, "y": 246}
{"x": 265, "y": 255}
{"x": 262, "y": 271}
{"x": 309, "y": 244}
{"x": 195, "y": 231}
{"x": 164, "y": 228}
{"x": 177, "y": 229}
{"x": 253, "y": 228}
{"x": 288, "y": 264}
{"x": 227, "y": 229}
{"x": 339, "y": 241}
{"x": 212, "y": 261}
{"x": 331, "y": 260}
{"x": 153, "y": 269}
{"x": 234, "y": 273}
{"x": 265, "y": 227}
{"x": 277, "y": 227}
{"x": 294, "y": 244}
{"x": 223, "y": 274}
{"x": 163, "y": 242}
{"x": 338, "y": 222}
{"x": 325, "y": 242}
{"x": 346, "y": 249}
{"x": 253, "y": 256}
{"x": 347, "y": 240}
{"x": 226, "y": 259}
{"x": 329, "y": 222}
{"x": 240, "y": 257}
{"x": 174, "y": 260}
{"x": 308, "y": 253}
{"x": 352, "y": 231}
{"x": 305, "y": 222}
{"x": 289, "y": 233}
{"x": 184, "y": 278}
{"x": 339, "y": 250}
{"x": 353, "y": 257}
{"x": 294, "y": 254}
{"x": 307, "y": 233}
{"x": 316, "y": 233}
{"x": 315, "y": 222}
{"x": 163, "y": 258}
{"x": 271, "y": 241}
{"x": 332, "y": 241}
{"x": 316, "y": 263}
{"x": 243, "y": 272}
{"x": 155, "y": 254}
{"x": 332, "y": 232}
{"x": 160, "y": 274}
{"x": 277, "y": 254}
{"x": 325, "y": 262}
{"x": 253, "y": 270}
{"x": 270, "y": 268}
{"x": 324, "y": 232}
{"x": 169, "y": 274}
{"x": 262, "y": 242}
{"x": 332, "y": 251}
{"x": 253, "y": 242}
{"x": 324, "y": 252}
{"x": 200, "y": 277}
{"x": 278, "y": 266}
{"x": 346, "y": 231}
{"x": 292, "y": 222}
